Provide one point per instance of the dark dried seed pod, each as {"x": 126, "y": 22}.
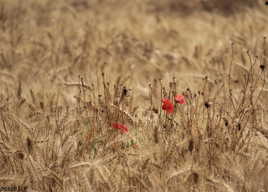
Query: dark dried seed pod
{"x": 207, "y": 104}
{"x": 262, "y": 67}
{"x": 194, "y": 177}
{"x": 124, "y": 91}
{"x": 29, "y": 144}
{"x": 155, "y": 110}
{"x": 226, "y": 122}
{"x": 191, "y": 145}
{"x": 20, "y": 155}
{"x": 239, "y": 126}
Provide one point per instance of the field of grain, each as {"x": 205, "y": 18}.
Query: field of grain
{"x": 126, "y": 96}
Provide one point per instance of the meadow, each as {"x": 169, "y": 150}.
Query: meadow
{"x": 141, "y": 95}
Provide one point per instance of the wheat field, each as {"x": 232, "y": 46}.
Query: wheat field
{"x": 141, "y": 95}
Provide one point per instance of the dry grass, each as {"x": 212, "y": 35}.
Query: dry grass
{"x": 69, "y": 69}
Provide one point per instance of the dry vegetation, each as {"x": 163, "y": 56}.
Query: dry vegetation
{"x": 69, "y": 69}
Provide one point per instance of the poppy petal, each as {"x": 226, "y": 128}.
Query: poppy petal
{"x": 167, "y": 105}
{"x": 180, "y": 99}
{"x": 121, "y": 127}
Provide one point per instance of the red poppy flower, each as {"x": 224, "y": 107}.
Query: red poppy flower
{"x": 180, "y": 99}
{"x": 135, "y": 146}
{"x": 121, "y": 127}
{"x": 167, "y": 105}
